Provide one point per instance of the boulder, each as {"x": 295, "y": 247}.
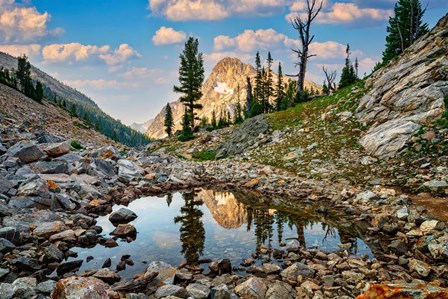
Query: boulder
{"x": 129, "y": 170}
{"x": 57, "y": 149}
{"x": 68, "y": 267}
{"x": 46, "y": 229}
{"x": 122, "y": 216}
{"x": 82, "y": 288}
{"x": 24, "y": 287}
{"x": 124, "y": 230}
{"x": 6, "y": 246}
{"x": 107, "y": 275}
{"x": 50, "y": 167}
{"x": 171, "y": 290}
{"x": 25, "y": 151}
{"x": 280, "y": 290}
{"x": 253, "y": 288}
{"x": 166, "y": 272}
{"x": 291, "y": 273}
{"x": 198, "y": 291}
{"x": 35, "y": 187}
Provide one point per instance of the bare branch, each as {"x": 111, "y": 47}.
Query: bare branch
{"x": 330, "y": 77}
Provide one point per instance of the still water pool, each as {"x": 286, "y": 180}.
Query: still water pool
{"x": 207, "y": 224}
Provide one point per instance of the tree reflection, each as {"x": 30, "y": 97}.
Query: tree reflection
{"x": 192, "y": 232}
{"x": 263, "y": 228}
{"x": 169, "y": 199}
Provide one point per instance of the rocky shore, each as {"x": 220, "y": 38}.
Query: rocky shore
{"x": 51, "y": 195}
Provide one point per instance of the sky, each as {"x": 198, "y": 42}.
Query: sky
{"x": 125, "y": 54}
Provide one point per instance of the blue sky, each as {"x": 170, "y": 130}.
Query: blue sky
{"x": 124, "y": 54}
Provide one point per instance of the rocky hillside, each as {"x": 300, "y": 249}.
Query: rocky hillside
{"x": 62, "y": 90}
{"x": 46, "y": 118}
{"x": 220, "y": 94}
{"x": 407, "y": 94}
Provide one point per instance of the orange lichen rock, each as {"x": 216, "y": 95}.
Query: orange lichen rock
{"x": 404, "y": 291}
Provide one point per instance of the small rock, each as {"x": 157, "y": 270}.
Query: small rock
{"x": 420, "y": 267}
{"x": 198, "y": 291}
{"x": 124, "y": 230}
{"x": 253, "y": 288}
{"x": 171, "y": 290}
{"x": 107, "y": 275}
{"x": 122, "y": 216}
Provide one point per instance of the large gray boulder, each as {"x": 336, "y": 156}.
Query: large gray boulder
{"x": 25, "y": 151}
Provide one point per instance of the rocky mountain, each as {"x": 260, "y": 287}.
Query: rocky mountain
{"x": 80, "y": 105}
{"x": 142, "y": 128}
{"x": 408, "y": 93}
{"x": 62, "y": 90}
{"x": 221, "y": 91}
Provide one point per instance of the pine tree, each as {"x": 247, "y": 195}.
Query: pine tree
{"x": 280, "y": 91}
{"x": 39, "y": 92}
{"x": 269, "y": 85}
{"x": 23, "y": 72}
{"x": 249, "y": 97}
{"x": 168, "y": 122}
{"x": 348, "y": 75}
{"x": 258, "y": 79}
{"x": 404, "y": 28}
{"x": 325, "y": 89}
{"x": 214, "y": 123}
{"x": 191, "y": 77}
{"x": 186, "y": 133}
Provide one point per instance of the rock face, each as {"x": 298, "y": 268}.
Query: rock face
{"x": 406, "y": 94}
{"x": 412, "y": 290}
{"x": 244, "y": 136}
{"x": 220, "y": 94}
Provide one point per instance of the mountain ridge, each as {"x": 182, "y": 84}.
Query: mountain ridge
{"x": 220, "y": 94}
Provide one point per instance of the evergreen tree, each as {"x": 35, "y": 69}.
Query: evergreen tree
{"x": 238, "y": 114}
{"x": 191, "y": 77}
{"x": 404, "y": 28}
{"x": 249, "y": 97}
{"x": 348, "y": 75}
{"x": 186, "y": 133}
{"x": 280, "y": 91}
{"x": 269, "y": 84}
{"x": 214, "y": 123}
{"x": 325, "y": 89}
{"x": 39, "y": 92}
{"x": 168, "y": 122}
{"x": 23, "y": 72}
{"x": 258, "y": 79}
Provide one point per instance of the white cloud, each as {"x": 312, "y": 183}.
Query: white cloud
{"x": 24, "y": 24}
{"x": 71, "y": 52}
{"x": 250, "y": 41}
{"x": 157, "y": 76}
{"x": 168, "y": 36}
{"x": 76, "y": 52}
{"x": 183, "y": 10}
{"x": 344, "y": 13}
{"x": 18, "y": 50}
{"x": 99, "y": 84}
{"x": 120, "y": 55}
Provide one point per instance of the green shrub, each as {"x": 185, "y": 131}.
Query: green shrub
{"x": 208, "y": 155}
{"x": 76, "y": 145}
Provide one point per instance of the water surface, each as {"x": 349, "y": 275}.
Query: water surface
{"x": 207, "y": 224}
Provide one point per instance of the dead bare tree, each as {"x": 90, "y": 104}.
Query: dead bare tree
{"x": 302, "y": 25}
{"x": 330, "y": 77}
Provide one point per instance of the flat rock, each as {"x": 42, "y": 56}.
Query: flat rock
{"x": 46, "y": 229}
{"x": 107, "y": 275}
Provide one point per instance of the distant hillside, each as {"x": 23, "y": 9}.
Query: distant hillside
{"x": 79, "y": 105}
{"x": 220, "y": 94}
{"x": 142, "y": 128}
{"x": 62, "y": 90}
